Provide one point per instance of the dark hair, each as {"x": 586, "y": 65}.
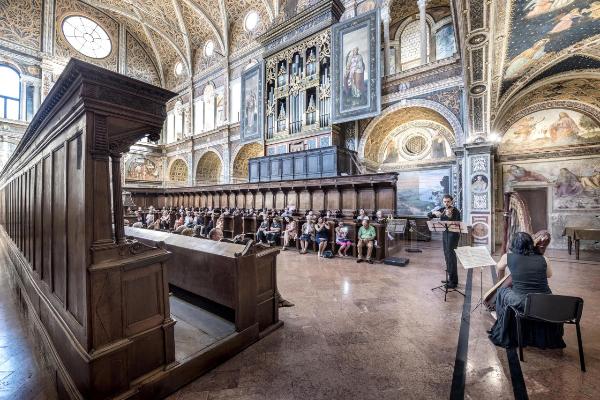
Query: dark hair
{"x": 447, "y": 196}
{"x": 522, "y": 243}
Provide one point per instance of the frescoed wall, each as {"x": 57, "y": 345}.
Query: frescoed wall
{"x": 421, "y": 191}
{"x": 139, "y": 168}
{"x": 550, "y": 128}
{"x": 573, "y": 191}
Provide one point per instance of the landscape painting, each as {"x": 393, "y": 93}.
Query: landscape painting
{"x": 356, "y": 68}
{"x": 418, "y": 192}
{"x": 251, "y": 105}
{"x": 550, "y": 128}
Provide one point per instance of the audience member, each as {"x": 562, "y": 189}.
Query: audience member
{"x": 366, "y": 235}
{"x": 341, "y": 238}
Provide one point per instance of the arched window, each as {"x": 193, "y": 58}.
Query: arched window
{"x": 410, "y": 45}
{"x": 10, "y": 92}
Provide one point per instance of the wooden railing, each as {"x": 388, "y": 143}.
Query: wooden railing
{"x": 347, "y": 193}
{"x": 99, "y": 299}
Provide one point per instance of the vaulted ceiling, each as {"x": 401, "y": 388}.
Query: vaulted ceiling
{"x": 536, "y": 39}
{"x": 176, "y": 30}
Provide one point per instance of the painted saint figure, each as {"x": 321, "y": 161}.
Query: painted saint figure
{"x": 251, "y": 113}
{"x": 354, "y": 78}
{"x": 566, "y": 21}
{"x": 567, "y": 184}
{"x": 540, "y": 7}
{"x": 564, "y": 128}
{"x": 522, "y": 62}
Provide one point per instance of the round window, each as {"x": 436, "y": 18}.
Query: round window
{"x": 86, "y": 36}
{"x": 415, "y": 145}
{"x": 178, "y": 68}
{"x": 251, "y": 21}
{"x": 209, "y": 48}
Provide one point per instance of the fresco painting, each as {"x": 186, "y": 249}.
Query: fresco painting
{"x": 550, "y": 128}
{"x": 421, "y": 191}
{"x": 545, "y": 27}
{"x": 575, "y": 185}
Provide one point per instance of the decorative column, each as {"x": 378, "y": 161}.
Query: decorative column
{"x": 117, "y": 198}
{"x": 478, "y": 204}
{"x": 23, "y": 102}
{"x": 122, "y": 59}
{"x": 423, "y": 23}
{"x": 385, "y": 17}
{"x": 36, "y": 96}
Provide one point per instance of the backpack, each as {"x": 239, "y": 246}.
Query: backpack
{"x": 327, "y": 254}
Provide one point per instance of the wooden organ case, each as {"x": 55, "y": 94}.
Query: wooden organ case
{"x": 298, "y": 80}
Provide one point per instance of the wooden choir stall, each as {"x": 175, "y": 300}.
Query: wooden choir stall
{"x": 99, "y": 300}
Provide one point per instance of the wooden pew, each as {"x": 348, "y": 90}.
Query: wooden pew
{"x": 231, "y": 275}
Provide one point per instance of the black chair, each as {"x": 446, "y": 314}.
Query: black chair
{"x": 555, "y": 309}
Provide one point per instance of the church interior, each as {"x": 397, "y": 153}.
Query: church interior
{"x": 299, "y": 199}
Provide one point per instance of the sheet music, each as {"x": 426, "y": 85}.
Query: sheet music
{"x": 436, "y": 225}
{"x": 473, "y": 257}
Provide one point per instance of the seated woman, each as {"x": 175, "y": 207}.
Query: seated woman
{"x": 261, "y": 233}
{"x": 342, "y": 240}
{"x": 530, "y": 272}
{"x": 308, "y": 231}
{"x": 290, "y": 232}
{"x": 322, "y": 229}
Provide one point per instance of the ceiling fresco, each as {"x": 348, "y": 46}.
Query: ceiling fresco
{"x": 541, "y": 29}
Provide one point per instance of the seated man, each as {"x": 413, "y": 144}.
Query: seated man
{"x": 261, "y": 234}
{"x": 274, "y": 231}
{"x": 215, "y": 234}
{"x": 530, "y": 271}
{"x": 366, "y": 236}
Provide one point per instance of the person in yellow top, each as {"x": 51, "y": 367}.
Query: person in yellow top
{"x": 366, "y": 236}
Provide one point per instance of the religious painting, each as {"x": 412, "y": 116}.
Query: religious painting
{"x": 418, "y": 192}
{"x": 575, "y": 184}
{"x": 356, "y": 68}
{"x": 479, "y": 183}
{"x": 550, "y": 128}
{"x": 545, "y": 27}
{"x": 143, "y": 169}
{"x": 415, "y": 144}
{"x": 251, "y": 110}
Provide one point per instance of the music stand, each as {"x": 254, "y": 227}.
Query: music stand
{"x": 436, "y": 225}
{"x": 475, "y": 257}
{"x": 413, "y": 238}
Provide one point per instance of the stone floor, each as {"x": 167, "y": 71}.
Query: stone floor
{"x": 361, "y": 331}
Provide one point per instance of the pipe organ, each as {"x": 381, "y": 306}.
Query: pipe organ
{"x": 298, "y": 87}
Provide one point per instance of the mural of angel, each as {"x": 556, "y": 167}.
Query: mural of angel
{"x": 563, "y": 128}
{"x": 539, "y": 7}
{"x": 567, "y": 20}
{"x": 438, "y": 147}
{"x": 522, "y": 129}
{"x": 391, "y": 153}
{"x": 354, "y": 76}
{"x": 521, "y": 63}
{"x": 251, "y": 111}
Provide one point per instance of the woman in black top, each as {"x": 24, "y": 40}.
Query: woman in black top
{"x": 530, "y": 272}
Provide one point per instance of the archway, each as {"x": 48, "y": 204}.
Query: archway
{"x": 209, "y": 169}
{"x": 178, "y": 171}
{"x": 239, "y": 170}
{"x": 431, "y": 115}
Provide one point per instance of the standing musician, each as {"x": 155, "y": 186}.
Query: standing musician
{"x": 449, "y": 239}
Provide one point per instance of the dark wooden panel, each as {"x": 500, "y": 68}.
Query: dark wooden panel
{"x": 259, "y": 200}
{"x": 268, "y": 199}
{"x": 334, "y": 200}
{"x": 280, "y": 200}
{"x": 38, "y": 219}
{"x": 349, "y": 199}
{"x": 46, "y": 271}
{"x": 76, "y": 255}
{"x": 304, "y": 201}
{"x": 59, "y": 245}
{"x": 366, "y": 199}
{"x": 318, "y": 200}
{"x": 250, "y": 200}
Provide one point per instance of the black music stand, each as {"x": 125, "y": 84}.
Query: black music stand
{"x": 414, "y": 232}
{"x": 451, "y": 226}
